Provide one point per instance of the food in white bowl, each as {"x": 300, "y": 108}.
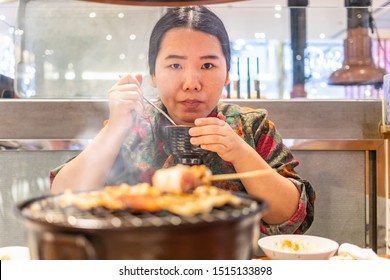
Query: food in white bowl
{"x": 14, "y": 253}
{"x": 298, "y": 247}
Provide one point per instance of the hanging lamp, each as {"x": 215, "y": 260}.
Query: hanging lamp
{"x": 358, "y": 67}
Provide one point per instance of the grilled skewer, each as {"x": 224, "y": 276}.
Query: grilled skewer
{"x": 233, "y": 176}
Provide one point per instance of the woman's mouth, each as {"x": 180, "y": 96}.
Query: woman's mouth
{"x": 191, "y": 104}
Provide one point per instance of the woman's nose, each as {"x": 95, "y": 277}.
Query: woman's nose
{"x": 192, "y": 81}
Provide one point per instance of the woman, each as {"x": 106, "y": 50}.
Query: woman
{"x": 189, "y": 59}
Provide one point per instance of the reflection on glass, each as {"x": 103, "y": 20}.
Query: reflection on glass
{"x": 7, "y": 57}
{"x": 72, "y": 49}
{"x": 75, "y": 49}
{"x": 386, "y": 99}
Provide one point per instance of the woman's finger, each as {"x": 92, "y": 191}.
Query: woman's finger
{"x": 209, "y": 139}
{"x": 130, "y": 79}
{"x": 124, "y": 95}
{"x": 209, "y": 121}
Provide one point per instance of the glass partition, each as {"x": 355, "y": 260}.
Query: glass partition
{"x": 76, "y": 49}
{"x": 7, "y": 51}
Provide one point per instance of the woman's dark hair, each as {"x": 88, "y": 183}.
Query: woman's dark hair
{"x": 197, "y": 18}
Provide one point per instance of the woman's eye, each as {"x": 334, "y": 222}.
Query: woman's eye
{"x": 175, "y": 66}
{"x": 207, "y": 66}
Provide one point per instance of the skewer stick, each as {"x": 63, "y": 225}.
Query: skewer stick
{"x": 233, "y": 176}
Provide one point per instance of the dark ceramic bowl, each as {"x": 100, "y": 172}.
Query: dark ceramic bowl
{"x": 180, "y": 147}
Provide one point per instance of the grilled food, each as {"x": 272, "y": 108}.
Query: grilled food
{"x": 178, "y": 190}
{"x": 180, "y": 178}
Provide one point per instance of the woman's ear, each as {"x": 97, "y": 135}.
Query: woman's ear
{"x": 153, "y": 81}
{"x": 227, "y": 81}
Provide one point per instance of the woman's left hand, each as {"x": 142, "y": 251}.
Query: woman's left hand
{"x": 214, "y": 134}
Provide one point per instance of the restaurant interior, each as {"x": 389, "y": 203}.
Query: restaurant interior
{"x": 327, "y": 63}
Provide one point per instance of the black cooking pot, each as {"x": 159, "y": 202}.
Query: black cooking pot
{"x": 224, "y": 233}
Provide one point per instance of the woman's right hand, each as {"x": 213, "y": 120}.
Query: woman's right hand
{"x": 89, "y": 170}
{"x": 125, "y": 99}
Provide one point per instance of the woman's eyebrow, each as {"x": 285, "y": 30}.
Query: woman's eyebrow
{"x": 209, "y": 57}
{"x": 175, "y": 56}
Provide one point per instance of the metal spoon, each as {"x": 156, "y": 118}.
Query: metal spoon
{"x": 157, "y": 108}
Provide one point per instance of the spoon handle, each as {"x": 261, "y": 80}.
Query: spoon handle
{"x": 154, "y": 105}
{"x": 158, "y": 109}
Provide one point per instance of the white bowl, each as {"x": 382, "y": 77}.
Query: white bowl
{"x": 15, "y": 253}
{"x": 297, "y": 247}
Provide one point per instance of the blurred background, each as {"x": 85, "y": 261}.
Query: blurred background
{"x": 281, "y": 49}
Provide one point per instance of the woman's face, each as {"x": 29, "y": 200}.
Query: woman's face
{"x": 190, "y": 74}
